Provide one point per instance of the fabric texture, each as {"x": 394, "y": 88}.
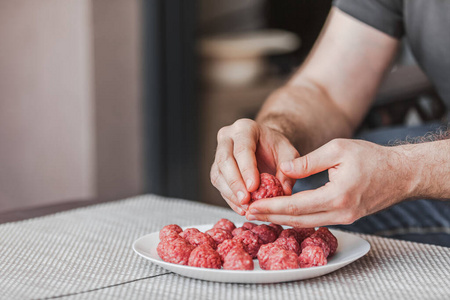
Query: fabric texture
{"x": 86, "y": 254}
{"x": 424, "y": 24}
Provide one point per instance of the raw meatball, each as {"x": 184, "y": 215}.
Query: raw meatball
{"x": 238, "y": 259}
{"x": 249, "y": 225}
{"x": 201, "y": 238}
{"x": 176, "y": 251}
{"x": 269, "y": 187}
{"x": 328, "y": 237}
{"x": 226, "y": 247}
{"x": 251, "y": 242}
{"x": 219, "y": 235}
{"x": 303, "y": 233}
{"x": 265, "y": 233}
{"x": 289, "y": 233}
{"x": 278, "y": 228}
{"x": 316, "y": 241}
{"x": 289, "y": 243}
{"x": 283, "y": 260}
{"x": 169, "y": 230}
{"x": 188, "y": 232}
{"x": 265, "y": 251}
{"x": 238, "y": 231}
{"x": 225, "y": 224}
{"x": 312, "y": 256}
{"x": 205, "y": 257}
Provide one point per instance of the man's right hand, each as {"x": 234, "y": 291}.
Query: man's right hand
{"x": 244, "y": 149}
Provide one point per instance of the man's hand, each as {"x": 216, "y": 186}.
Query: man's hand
{"x": 364, "y": 178}
{"x": 245, "y": 149}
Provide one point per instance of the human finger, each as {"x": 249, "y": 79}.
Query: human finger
{"x": 302, "y": 203}
{"x": 229, "y": 169}
{"x": 302, "y": 221}
{"x": 314, "y": 162}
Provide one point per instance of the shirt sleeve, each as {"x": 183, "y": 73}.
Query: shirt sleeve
{"x": 384, "y": 15}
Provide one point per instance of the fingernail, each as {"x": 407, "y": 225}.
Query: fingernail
{"x": 239, "y": 210}
{"x": 249, "y": 183}
{"x": 251, "y": 217}
{"x": 254, "y": 211}
{"x": 245, "y": 207}
{"x": 240, "y": 196}
{"x": 287, "y": 166}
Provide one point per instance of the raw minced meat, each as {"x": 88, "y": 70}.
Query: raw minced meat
{"x": 312, "y": 256}
{"x": 226, "y": 247}
{"x": 188, "y": 232}
{"x": 316, "y": 241}
{"x": 219, "y": 235}
{"x": 238, "y": 259}
{"x": 289, "y": 243}
{"x": 251, "y": 242}
{"x": 225, "y": 224}
{"x": 205, "y": 257}
{"x": 265, "y": 233}
{"x": 278, "y": 228}
{"x": 201, "y": 238}
{"x": 238, "y": 231}
{"x": 282, "y": 260}
{"x": 169, "y": 230}
{"x": 269, "y": 187}
{"x": 328, "y": 237}
{"x": 175, "y": 251}
{"x": 303, "y": 233}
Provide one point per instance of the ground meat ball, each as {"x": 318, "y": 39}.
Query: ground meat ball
{"x": 283, "y": 260}
{"x": 225, "y": 224}
{"x": 170, "y": 236}
{"x": 289, "y": 233}
{"x": 316, "y": 241}
{"x": 238, "y": 231}
{"x": 328, "y": 237}
{"x": 251, "y": 242}
{"x": 176, "y": 251}
{"x": 188, "y": 232}
{"x": 269, "y": 187}
{"x": 200, "y": 238}
{"x": 278, "y": 228}
{"x": 219, "y": 235}
{"x": 265, "y": 233}
{"x": 205, "y": 257}
{"x": 238, "y": 259}
{"x": 265, "y": 251}
{"x": 312, "y": 256}
{"x": 169, "y": 230}
{"x": 289, "y": 243}
{"x": 249, "y": 225}
{"x": 303, "y": 233}
{"x": 226, "y": 246}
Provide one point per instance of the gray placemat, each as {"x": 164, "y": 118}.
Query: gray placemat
{"x": 86, "y": 254}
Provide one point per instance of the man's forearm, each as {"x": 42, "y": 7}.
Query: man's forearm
{"x": 305, "y": 115}
{"x": 429, "y": 167}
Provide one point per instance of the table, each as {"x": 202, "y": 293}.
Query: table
{"x": 85, "y": 253}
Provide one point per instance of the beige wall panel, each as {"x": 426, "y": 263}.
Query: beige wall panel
{"x": 117, "y": 44}
{"x": 46, "y": 108}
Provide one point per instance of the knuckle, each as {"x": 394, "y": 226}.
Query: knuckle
{"x": 243, "y": 124}
{"x": 214, "y": 176}
{"x": 294, "y": 222}
{"x": 349, "y": 217}
{"x": 292, "y": 209}
{"x": 234, "y": 184}
{"x": 222, "y": 133}
{"x": 221, "y": 160}
{"x": 337, "y": 145}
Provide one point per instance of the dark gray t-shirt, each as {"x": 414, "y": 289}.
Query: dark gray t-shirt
{"x": 424, "y": 23}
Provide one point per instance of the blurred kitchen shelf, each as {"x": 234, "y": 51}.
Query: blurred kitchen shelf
{"x": 222, "y": 106}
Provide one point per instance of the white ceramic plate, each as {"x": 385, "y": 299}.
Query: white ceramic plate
{"x": 351, "y": 247}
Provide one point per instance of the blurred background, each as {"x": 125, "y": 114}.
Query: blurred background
{"x": 105, "y": 99}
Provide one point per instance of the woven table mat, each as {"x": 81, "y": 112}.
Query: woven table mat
{"x": 86, "y": 254}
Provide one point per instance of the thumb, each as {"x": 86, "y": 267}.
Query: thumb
{"x": 317, "y": 161}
